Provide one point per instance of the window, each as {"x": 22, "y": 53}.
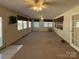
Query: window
{"x": 50, "y": 24}
{"x": 59, "y": 22}
{"x": 24, "y": 24}
{"x": 47, "y": 24}
{"x": 36, "y": 24}
{"x": 77, "y": 24}
{"x": 19, "y": 24}
{"x": 29, "y": 24}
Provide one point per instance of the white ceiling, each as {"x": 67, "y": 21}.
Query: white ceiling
{"x": 57, "y": 8}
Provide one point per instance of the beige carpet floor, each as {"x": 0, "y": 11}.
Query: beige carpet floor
{"x": 45, "y": 45}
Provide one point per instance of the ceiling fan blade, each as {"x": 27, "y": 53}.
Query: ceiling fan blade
{"x": 36, "y": 1}
{"x": 29, "y": 2}
{"x": 52, "y": 3}
{"x": 48, "y": 3}
{"x": 29, "y": 5}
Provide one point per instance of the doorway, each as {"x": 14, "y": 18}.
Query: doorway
{"x": 75, "y": 32}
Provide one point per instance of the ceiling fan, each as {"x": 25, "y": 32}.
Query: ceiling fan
{"x": 38, "y": 5}
{"x": 44, "y": 2}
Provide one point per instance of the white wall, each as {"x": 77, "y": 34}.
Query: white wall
{"x": 67, "y": 28}
{"x": 10, "y": 32}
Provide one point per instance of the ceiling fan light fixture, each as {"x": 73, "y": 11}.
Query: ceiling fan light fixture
{"x": 40, "y": 8}
{"x": 34, "y": 8}
{"x": 41, "y": 17}
{"x": 37, "y": 8}
{"x": 36, "y": 5}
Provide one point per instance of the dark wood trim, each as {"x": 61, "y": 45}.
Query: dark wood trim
{"x": 48, "y": 20}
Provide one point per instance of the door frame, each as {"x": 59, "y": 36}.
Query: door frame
{"x": 72, "y": 45}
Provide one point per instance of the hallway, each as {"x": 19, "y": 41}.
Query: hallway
{"x": 45, "y": 45}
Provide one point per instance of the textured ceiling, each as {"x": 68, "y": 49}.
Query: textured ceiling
{"x": 58, "y": 7}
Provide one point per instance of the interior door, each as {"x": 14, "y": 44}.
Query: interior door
{"x": 75, "y": 32}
